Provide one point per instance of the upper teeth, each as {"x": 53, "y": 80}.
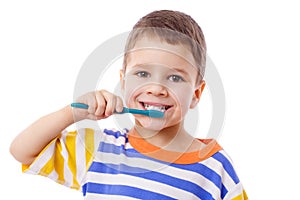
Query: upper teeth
{"x": 158, "y": 108}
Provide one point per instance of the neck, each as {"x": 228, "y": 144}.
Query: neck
{"x": 173, "y": 138}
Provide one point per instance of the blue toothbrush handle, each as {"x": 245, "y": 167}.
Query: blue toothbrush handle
{"x": 79, "y": 105}
{"x": 150, "y": 113}
{"x": 135, "y": 111}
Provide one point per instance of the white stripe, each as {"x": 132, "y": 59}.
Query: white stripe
{"x": 115, "y": 141}
{"x": 98, "y": 137}
{"x": 230, "y": 181}
{"x": 41, "y": 160}
{"x": 53, "y": 175}
{"x": 150, "y": 165}
{"x": 225, "y": 155}
{"x": 68, "y": 176}
{"x": 80, "y": 157}
{"x": 217, "y": 167}
{"x": 128, "y": 146}
{"x": 81, "y": 150}
{"x": 140, "y": 183}
{"x": 94, "y": 196}
{"x": 234, "y": 192}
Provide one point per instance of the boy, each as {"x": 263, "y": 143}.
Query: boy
{"x": 163, "y": 70}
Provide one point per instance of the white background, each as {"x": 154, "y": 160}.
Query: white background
{"x": 254, "y": 44}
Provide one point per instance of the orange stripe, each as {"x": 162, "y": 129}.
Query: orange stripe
{"x": 141, "y": 145}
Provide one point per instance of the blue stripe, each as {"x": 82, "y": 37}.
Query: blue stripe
{"x": 229, "y": 170}
{"x": 123, "y": 190}
{"x": 199, "y": 168}
{"x": 203, "y": 170}
{"x": 151, "y": 175}
{"x": 116, "y": 134}
{"x": 132, "y": 153}
{"x": 223, "y": 192}
{"x": 196, "y": 167}
{"x": 84, "y": 189}
{"x": 227, "y": 166}
{"x": 110, "y": 148}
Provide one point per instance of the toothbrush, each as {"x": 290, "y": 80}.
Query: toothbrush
{"x": 149, "y": 113}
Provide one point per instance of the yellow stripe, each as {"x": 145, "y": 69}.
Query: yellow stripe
{"x": 242, "y": 196}
{"x": 71, "y": 148}
{"x": 89, "y": 146}
{"x": 25, "y": 167}
{"x": 59, "y": 163}
{"x": 41, "y": 154}
{"x": 47, "y": 168}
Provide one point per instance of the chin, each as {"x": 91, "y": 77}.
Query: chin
{"x": 151, "y": 123}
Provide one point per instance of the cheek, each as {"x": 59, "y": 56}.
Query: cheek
{"x": 131, "y": 90}
{"x": 183, "y": 96}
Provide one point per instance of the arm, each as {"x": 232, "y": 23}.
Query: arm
{"x": 30, "y": 142}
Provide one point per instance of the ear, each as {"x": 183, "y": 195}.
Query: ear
{"x": 122, "y": 84}
{"x": 197, "y": 94}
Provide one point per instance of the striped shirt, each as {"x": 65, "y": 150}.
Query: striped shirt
{"x": 113, "y": 164}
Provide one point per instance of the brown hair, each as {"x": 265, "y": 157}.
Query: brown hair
{"x": 173, "y": 27}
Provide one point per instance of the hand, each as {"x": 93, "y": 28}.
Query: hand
{"x": 102, "y": 104}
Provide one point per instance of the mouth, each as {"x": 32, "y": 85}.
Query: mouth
{"x": 155, "y": 106}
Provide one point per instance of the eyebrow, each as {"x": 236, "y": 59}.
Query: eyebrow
{"x": 140, "y": 65}
{"x": 181, "y": 71}
{"x": 151, "y": 65}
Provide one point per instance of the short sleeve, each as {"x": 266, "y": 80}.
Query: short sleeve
{"x": 66, "y": 158}
{"x": 238, "y": 193}
{"x": 231, "y": 182}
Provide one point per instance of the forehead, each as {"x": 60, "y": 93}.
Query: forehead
{"x": 149, "y": 51}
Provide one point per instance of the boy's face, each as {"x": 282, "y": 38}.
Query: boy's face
{"x": 163, "y": 77}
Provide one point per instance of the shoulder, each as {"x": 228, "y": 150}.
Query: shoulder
{"x": 218, "y": 161}
{"x": 214, "y": 152}
{"x": 223, "y": 173}
{"x": 224, "y": 163}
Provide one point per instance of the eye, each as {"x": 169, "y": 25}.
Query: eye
{"x": 142, "y": 74}
{"x": 176, "y": 78}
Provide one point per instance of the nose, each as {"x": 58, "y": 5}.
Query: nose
{"x": 156, "y": 90}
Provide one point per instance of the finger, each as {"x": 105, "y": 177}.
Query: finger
{"x": 101, "y": 104}
{"x": 92, "y": 103}
{"x": 110, "y": 103}
{"x": 119, "y": 104}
